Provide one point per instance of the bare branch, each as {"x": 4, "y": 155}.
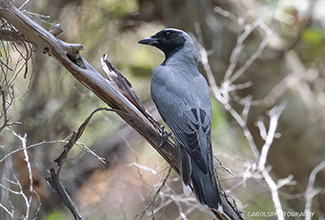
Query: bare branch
{"x": 311, "y": 191}
{"x": 84, "y": 147}
{"x": 274, "y": 114}
{"x": 10, "y": 213}
{"x": 257, "y": 53}
{"x": 28, "y": 201}
{"x": 74, "y": 138}
{"x": 20, "y": 192}
{"x": 141, "y": 214}
{"x": 54, "y": 182}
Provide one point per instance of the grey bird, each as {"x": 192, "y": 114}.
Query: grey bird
{"x": 181, "y": 95}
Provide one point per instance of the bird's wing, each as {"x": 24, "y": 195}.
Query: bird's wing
{"x": 189, "y": 118}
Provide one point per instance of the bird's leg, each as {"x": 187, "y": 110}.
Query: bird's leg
{"x": 164, "y": 133}
{"x": 164, "y": 136}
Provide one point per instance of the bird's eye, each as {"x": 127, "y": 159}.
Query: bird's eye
{"x": 167, "y": 34}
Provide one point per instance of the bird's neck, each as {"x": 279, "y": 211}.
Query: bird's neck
{"x": 186, "y": 57}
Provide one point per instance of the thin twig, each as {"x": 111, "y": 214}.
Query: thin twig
{"x": 257, "y": 52}
{"x": 311, "y": 191}
{"x": 28, "y": 201}
{"x": 274, "y": 114}
{"x": 162, "y": 185}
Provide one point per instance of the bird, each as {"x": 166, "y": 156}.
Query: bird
{"x": 181, "y": 95}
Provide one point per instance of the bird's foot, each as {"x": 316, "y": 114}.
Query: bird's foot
{"x": 164, "y": 137}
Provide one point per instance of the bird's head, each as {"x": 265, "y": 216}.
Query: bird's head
{"x": 169, "y": 41}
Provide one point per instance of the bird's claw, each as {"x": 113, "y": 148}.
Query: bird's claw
{"x": 164, "y": 137}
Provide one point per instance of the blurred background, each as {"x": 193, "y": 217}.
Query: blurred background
{"x": 260, "y": 53}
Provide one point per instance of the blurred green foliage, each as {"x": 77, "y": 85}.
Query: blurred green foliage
{"x": 313, "y": 35}
{"x": 56, "y": 216}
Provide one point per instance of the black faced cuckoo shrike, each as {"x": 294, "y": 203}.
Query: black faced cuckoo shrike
{"x": 182, "y": 97}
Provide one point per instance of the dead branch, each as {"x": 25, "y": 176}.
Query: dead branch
{"x": 57, "y": 187}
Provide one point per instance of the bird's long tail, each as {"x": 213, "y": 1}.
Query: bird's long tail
{"x": 205, "y": 188}
{"x": 205, "y": 185}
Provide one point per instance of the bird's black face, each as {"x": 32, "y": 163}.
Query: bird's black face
{"x": 168, "y": 40}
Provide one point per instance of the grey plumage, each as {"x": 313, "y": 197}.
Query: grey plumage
{"x": 182, "y": 97}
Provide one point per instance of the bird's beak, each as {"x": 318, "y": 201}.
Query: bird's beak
{"x": 148, "y": 41}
